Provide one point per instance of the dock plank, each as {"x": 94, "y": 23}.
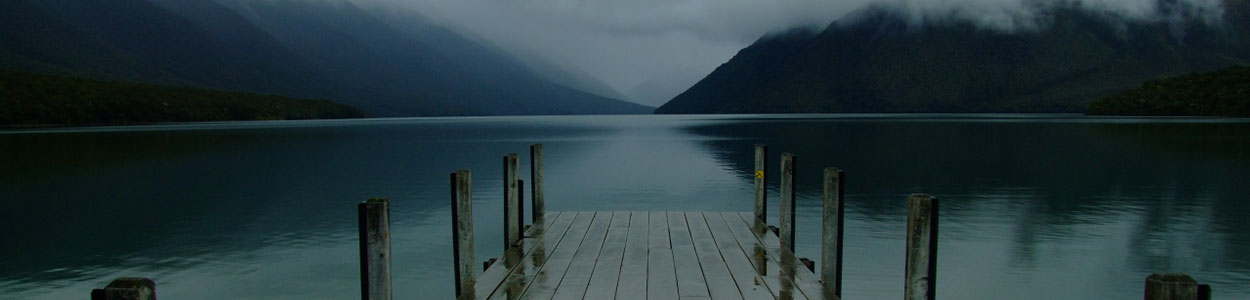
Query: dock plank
{"x": 538, "y": 245}
{"x": 806, "y": 281}
{"x": 633, "y": 278}
{"x": 720, "y": 282}
{"x": 690, "y": 281}
{"x": 608, "y": 268}
{"x": 766, "y": 268}
{"x": 661, "y": 276}
{"x": 737, "y": 260}
{"x": 647, "y": 255}
{"x": 577, "y": 278}
{"x": 548, "y": 276}
{"x": 492, "y": 278}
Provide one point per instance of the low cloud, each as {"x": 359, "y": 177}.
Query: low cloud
{"x": 625, "y": 43}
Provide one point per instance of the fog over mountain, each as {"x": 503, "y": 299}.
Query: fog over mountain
{"x": 411, "y": 56}
{"x": 889, "y": 58}
{"x": 628, "y": 43}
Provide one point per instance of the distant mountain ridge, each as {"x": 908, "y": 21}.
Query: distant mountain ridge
{"x": 311, "y": 49}
{"x": 877, "y": 60}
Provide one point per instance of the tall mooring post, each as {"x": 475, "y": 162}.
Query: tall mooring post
{"x": 520, "y": 206}
{"x": 126, "y": 288}
{"x": 538, "y": 205}
{"x": 831, "y": 233}
{"x": 511, "y": 202}
{"x": 375, "y": 249}
{"x": 786, "y": 226}
{"x": 761, "y": 188}
{"x": 462, "y": 229}
{"x": 922, "y": 238}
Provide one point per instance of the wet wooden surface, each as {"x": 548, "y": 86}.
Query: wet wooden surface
{"x": 647, "y": 255}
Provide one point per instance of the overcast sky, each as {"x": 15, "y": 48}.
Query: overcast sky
{"x": 624, "y": 43}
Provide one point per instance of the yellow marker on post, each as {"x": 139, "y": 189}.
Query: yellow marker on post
{"x": 759, "y": 173}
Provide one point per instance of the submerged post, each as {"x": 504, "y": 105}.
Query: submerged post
{"x": 126, "y": 288}
{"x": 831, "y": 235}
{"x": 537, "y": 205}
{"x": 922, "y": 234}
{"x": 462, "y": 229}
{"x": 1171, "y": 286}
{"x": 761, "y": 186}
{"x": 786, "y": 231}
{"x": 375, "y": 249}
{"x": 511, "y": 227}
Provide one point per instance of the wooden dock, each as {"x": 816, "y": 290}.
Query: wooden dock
{"x": 647, "y": 255}
{"x": 639, "y": 254}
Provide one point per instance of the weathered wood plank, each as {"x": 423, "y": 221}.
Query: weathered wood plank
{"x": 462, "y": 230}
{"x": 511, "y": 204}
{"x": 375, "y": 249}
{"x": 633, "y": 278}
{"x": 761, "y": 187}
{"x": 631, "y": 256}
{"x": 720, "y": 282}
{"x": 577, "y": 278}
{"x": 766, "y": 265}
{"x": 922, "y": 234}
{"x": 737, "y": 259}
{"x": 804, "y": 280}
{"x": 831, "y": 233}
{"x": 1171, "y": 286}
{"x": 786, "y": 222}
{"x": 690, "y": 281}
{"x": 506, "y": 280}
{"x": 661, "y": 276}
{"x": 549, "y": 275}
{"x": 607, "y": 272}
{"x": 538, "y": 200}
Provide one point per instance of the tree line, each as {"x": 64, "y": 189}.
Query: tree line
{"x": 30, "y": 99}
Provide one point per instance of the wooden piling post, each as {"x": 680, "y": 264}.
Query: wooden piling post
{"x": 126, "y": 288}
{"x": 520, "y": 207}
{"x": 831, "y": 233}
{"x": 1171, "y": 286}
{"x": 462, "y": 229}
{"x": 511, "y": 226}
{"x": 786, "y": 231}
{"x": 761, "y": 186}
{"x": 375, "y": 249}
{"x": 537, "y": 202}
{"x": 922, "y": 234}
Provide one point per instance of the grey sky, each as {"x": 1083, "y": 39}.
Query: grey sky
{"x": 627, "y": 42}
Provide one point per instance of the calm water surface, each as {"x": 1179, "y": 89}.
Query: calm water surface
{"x": 1060, "y": 207}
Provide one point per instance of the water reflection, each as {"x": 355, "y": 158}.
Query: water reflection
{"x": 264, "y": 210}
{"x": 1111, "y": 200}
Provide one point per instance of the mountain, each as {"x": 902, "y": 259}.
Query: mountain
{"x": 663, "y": 86}
{"x": 310, "y": 49}
{"x": 404, "y": 65}
{"x": 157, "y": 46}
{"x": 879, "y": 60}
{"x": 1221, "y": 93}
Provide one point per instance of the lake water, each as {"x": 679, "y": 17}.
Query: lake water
{"x": 1033, "y": 206}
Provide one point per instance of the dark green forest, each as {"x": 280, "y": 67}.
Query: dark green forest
{"x": 1220, "y": 93}
{"x": 30, "y": 99}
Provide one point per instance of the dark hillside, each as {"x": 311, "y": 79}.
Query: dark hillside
{"x": 874, "y": 60}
